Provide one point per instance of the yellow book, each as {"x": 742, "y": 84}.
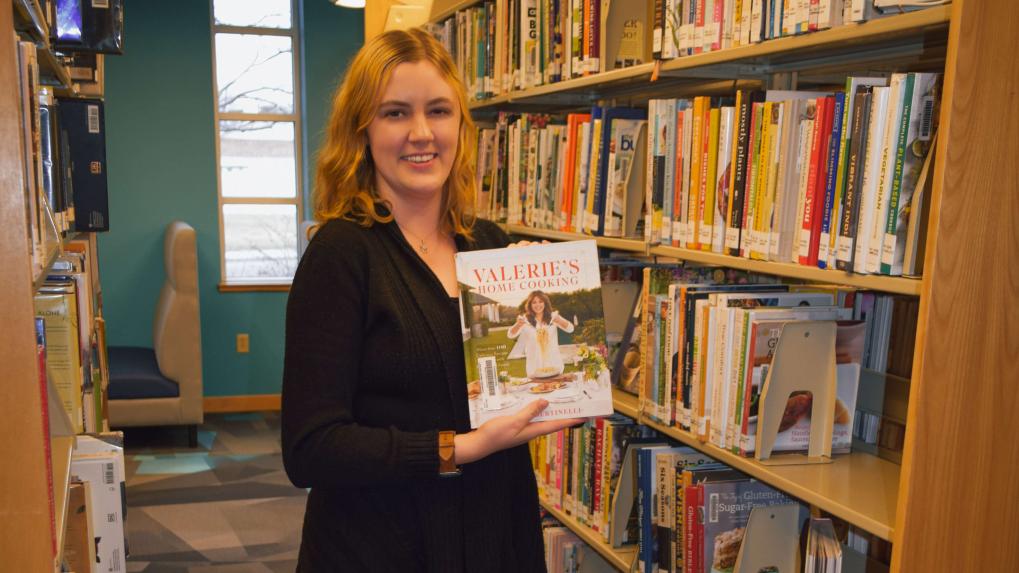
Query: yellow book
{"x": 710, "y": 179}
{"x": 58, "y": 309}
{"x": 590, "y": 217}
{"x": 761, "y": 185}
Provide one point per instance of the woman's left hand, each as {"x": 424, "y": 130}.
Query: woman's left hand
{"x": 504, "y": 432}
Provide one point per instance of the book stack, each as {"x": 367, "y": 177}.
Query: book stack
{"x": 819, "y": 179}
{"x": 505, "y": 45}
{"x": 581, "y": 173}
{"x": 689, "y": 27}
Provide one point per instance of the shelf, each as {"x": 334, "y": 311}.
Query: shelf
{"x": 619, "y": 558}
{"x": 53, "y": 72}
{"x": 880, "y": 41}
{"x": 859, "y": 488}
{"x": 61, "y": 449}
{"x": 897, "y": 285}
{"x": 442, "y": 9}
{"x": 605, "y": 242}
{"x": 28, "y": 19}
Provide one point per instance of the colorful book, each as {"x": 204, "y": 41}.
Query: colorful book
{"x": 533, "y": 328}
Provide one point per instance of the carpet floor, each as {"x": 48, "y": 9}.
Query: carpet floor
{"x": 224, "y": 507}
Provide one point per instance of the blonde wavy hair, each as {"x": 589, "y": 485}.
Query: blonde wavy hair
{"x": 345, "y": 173}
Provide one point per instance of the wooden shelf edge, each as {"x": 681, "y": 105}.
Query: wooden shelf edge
{"x": 897, "y": 285}
{"x": 619, "y": 558}
{"x": 607, "y": 242}
{"x": 61, "y": 449}
{"x": 788, "y": 478}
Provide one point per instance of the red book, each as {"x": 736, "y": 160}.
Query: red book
{"x": 808, "y": 243}
{"x": 693, "y": 529}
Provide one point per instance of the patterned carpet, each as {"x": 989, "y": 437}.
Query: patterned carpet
{"x": 225, "y": 507}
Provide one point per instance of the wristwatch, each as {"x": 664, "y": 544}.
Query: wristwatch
{"x": 447, "y": 454}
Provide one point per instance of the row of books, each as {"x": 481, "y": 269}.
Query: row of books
{"x": 688, "y": 27}
{"x": 828, "y": 180}
{"x": 64, "y": 150}
{"x": 682, "y": 509}
{"x": 501, "y": 46}
{"x": 505, "y": 45}
{"x": 71, "y": 338}
{"x": 706, "y": 350}
{"x": 567, "y": 553}
{"x": 95, "y": 538}
{"x": 818, "y": 179}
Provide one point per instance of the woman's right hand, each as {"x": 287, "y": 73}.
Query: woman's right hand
{"x": 504, "y": 432}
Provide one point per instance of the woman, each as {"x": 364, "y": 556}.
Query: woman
{"x": 374, "y": 373}
{"x": 538, "y": 329}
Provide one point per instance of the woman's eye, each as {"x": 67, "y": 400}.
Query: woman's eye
{"x": 441, "y": 111}
{"x": 393, "y": 113}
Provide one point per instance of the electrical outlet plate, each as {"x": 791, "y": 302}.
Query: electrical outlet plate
{"x": 243, "y": 344}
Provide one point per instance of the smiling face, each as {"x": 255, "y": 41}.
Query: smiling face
{"x": 537, "y": 305}
{"x": 413, "y": 135}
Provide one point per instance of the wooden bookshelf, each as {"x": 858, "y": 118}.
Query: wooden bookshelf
{"x": 619, "y": 558}
{"x": 860, "y": 488}
{"x": 897, "y": 285}
{"x": 29, "y": 19}
{"x": 958, "y": 460}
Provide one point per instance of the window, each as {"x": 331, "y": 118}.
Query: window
{"x": 258, "y": 138}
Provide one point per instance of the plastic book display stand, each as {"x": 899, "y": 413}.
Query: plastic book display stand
{"x": 771, "y": 542}
{"x": 804, "y": 361}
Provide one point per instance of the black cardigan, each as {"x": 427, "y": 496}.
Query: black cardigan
{"x": 373, "y": 369}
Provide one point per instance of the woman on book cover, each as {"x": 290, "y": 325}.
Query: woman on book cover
{"x": 538, "y": 329}
{"x": 374, "y": 376}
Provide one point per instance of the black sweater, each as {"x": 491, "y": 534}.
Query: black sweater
{"x": 373, "y": 369}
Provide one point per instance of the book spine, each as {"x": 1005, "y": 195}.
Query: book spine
{"x": 831, "y": 171}
{"x": 710, "y": 182}
{"x": 846, "y": 243}
{"x": 735, "y": 215}
{"x": 810, "y": 202}
{"x": 902, "y": 137}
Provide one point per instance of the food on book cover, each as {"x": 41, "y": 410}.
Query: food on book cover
{"x": 534, "y": 328}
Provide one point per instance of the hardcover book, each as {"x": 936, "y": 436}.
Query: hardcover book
{"x": 533, "y": 327}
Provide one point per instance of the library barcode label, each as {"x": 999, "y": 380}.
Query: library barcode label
{"x": 111, "y": 518}
{"x": 100, "y": 3}
{"x": 93, "y": 119}
{"x": 108, "y": 474}
{"x": 489, "y": 379}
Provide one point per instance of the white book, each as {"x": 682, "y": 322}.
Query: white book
{"x": 884, "y": 190}
{"x": 871, "y": 176}
{"x": 724, "y": 173}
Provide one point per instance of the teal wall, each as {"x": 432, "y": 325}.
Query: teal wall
{"x": 161, "y": 157}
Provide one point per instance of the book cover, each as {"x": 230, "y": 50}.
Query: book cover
{"x": 83, "y": 122}
{"x": 727, "y": 507}
{"x": 533, "y": 327}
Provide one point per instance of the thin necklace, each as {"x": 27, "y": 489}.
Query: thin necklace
{"x": 421, "y": 242}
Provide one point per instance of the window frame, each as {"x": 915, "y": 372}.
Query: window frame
{"x": 295, "y": 117}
